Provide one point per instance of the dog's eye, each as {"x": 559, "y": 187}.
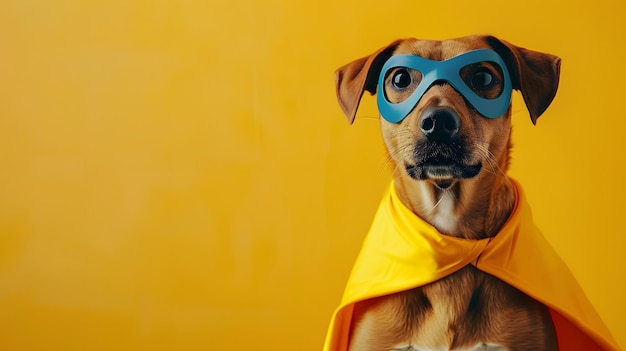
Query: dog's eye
{"x": 401, "y": 79}
{"x": 482, "y": 79}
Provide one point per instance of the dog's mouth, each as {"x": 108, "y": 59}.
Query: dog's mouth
{"x": 442, "y": 171}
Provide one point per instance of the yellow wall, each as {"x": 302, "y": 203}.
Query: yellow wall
{"x": 177, "y": 175}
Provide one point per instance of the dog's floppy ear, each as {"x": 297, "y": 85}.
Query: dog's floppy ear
{"x": 533, "y": 73}
{"x": 357, "y": 76}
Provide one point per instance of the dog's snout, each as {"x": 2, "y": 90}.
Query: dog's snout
{"x": 439, "y": 124}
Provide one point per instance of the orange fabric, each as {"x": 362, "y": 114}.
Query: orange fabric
{"x": 401, "y": 251}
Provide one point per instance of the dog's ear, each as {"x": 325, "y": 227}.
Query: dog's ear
{"x": 533, "y": 73}
{"x": 357, "y": 76}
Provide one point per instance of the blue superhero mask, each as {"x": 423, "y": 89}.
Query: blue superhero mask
{"x": 450, "y": 72}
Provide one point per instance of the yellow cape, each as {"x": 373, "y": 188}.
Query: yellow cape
{"x": 401, "y": 251}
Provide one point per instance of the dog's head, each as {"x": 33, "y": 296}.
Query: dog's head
{"x": 446, "y": 104}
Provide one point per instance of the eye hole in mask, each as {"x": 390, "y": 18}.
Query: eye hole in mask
{"x": 401, "y": 83}
{"x": 480, "y": 76}
{"x": 484, "y": 78}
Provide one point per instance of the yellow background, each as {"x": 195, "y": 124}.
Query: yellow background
{"x": 177, "y": 175}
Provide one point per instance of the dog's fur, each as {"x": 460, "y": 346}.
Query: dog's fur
{"x": 460, "y": 187}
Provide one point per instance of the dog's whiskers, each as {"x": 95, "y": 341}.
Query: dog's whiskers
{"x": 388, "y": 160}
{"x": 491, "y": 160}
{"x": 390, "y": 157}
{"x": 444, "y": 193}
{"x": 488, "y": 156}
{"x": 437, "y": 203}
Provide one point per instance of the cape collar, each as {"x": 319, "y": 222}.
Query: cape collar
{"x": 419, "y": 253}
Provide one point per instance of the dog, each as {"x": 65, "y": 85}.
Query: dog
{"x": 446, "y": 125}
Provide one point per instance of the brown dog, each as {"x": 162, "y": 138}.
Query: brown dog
{"x": 450, "y": 164}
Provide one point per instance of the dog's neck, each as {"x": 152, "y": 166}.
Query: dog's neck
{"x": 472, "y": 208}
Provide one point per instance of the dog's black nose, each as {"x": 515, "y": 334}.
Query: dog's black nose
{"x": 439, "y": 124}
